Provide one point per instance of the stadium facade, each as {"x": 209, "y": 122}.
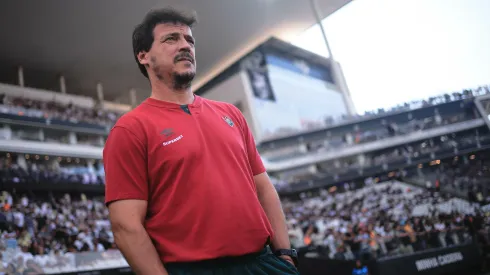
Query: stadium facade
{"x": 274, "y": 85}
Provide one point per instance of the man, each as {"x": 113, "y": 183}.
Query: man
{"x": 185, "y": 186}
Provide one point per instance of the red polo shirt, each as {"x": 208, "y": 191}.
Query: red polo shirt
{"x": 194, "y": 165}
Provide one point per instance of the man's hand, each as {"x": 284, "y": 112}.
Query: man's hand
{"x": 288, "y": 258}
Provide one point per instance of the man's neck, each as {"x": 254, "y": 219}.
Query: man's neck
{"x": 164, "y": 93}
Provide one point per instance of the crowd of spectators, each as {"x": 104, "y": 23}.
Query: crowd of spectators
{"x": 366, "y": 221}
{"x": 375, "y": 220}
{"x": 56, "y": 110}
{"x": 22, "y": 169}
{"x": 380, "y": 220}
{"x": 47, "y": 225}
{"x": 462, "y": 176}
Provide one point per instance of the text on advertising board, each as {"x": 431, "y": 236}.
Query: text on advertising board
{"x": 441, "y": 260}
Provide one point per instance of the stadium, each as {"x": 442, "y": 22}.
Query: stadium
{"x": 398, "y": 190}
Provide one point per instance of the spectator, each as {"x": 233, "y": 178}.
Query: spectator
{"x": 360, "y": 269}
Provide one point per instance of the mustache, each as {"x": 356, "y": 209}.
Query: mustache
{"x": 184, "y": 55}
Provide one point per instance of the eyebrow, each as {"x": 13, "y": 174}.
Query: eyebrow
{"x": 176, "y": 34}
{"x": 169, "y": 35}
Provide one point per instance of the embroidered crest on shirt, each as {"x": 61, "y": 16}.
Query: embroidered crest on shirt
{"x": 229, "y": 121}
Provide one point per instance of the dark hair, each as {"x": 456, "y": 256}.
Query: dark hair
{"x": 143, "y": 32}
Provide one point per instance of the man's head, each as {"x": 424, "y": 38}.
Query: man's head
{"x": 164, "y": 47}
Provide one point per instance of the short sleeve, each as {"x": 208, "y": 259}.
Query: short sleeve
{"x": 125, "y": 166}
{"x": 253, "y": 154}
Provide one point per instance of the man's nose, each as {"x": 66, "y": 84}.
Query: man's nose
{"x": 185, "y": 45}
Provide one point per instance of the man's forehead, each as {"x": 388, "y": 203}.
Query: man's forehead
{"x": 167, "y": 28}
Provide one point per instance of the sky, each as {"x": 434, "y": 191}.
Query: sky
{"x": 394, "y": 51}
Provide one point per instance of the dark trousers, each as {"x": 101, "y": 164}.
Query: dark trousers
{"x": 261, "y": 263}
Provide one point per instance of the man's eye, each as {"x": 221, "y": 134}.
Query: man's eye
{"x": 170, "y": 39}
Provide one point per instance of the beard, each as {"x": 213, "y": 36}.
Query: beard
{"x": 179, "y": 81}
{"x": 183, "y": 80}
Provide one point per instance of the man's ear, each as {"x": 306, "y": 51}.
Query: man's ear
{"x": 143, "y": 58}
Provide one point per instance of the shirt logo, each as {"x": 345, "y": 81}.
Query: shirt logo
{"x": 173, "y": 140}
{"x": 167, "y": 132}
{"x": 229, "y": 121}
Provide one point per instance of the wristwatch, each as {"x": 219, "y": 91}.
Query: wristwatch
{"x": 288, "y": 252}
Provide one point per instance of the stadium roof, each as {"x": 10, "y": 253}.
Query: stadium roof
{"x": 89, "y": 41}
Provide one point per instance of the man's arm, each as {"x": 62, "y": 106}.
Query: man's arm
{"x": 125, "y": 164}
{"x": 268, "y": 197}
{"x": 272, "y": 206}
{"x": 127, "y": 217}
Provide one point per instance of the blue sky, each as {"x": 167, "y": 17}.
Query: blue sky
{"x": 393, "y": 51}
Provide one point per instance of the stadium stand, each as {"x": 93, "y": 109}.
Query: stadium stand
{"x": 396, "y": 200}
{"x": 401, "y": 108}
{"x": 49, "y": 224}
{"x": 22, "y": 169}
{"x": 378, "y": 220}
{"x": 379, "y": 161}
{"x": 55, "y": 110}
